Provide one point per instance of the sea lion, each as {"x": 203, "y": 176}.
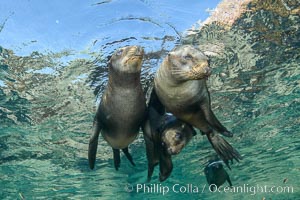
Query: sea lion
{"x": 164, "y": 136}
{"x": 180, "y": 84}
{"x": 122, "y": 109}
{"x": 216, "y": 174}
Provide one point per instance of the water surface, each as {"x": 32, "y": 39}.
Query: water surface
{"x": 53, "y": 71}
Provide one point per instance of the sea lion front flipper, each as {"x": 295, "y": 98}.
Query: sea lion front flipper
{"x": 128, "y": 156}
{"x": 165, "y": 165}
{"x": 155, "y": 103}
{"x": 223, "y": 148}
{"x": 93, "y": 145}
{"x": 151, "y": 157}
{"x": 117, "y": 159}
{"x": 212, "y": 119}
{"x": 156, "y": 112}
{"x": 151, "y": 149}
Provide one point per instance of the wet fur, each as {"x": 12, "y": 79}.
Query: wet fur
{"x": 122, "y": 109}
{"x": 159, "y": 134}
{"x": 185, "y": 95}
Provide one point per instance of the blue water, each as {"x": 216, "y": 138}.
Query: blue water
{"x": 53, "y": 58}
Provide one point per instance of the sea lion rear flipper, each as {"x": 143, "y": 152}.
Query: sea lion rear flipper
{"x": 93, "y": 144}
{"x": 128, "y": 156}
{"x": 228, "y": 180}
{"x": 117, "y": 159}
{"x": 223, "y": 148}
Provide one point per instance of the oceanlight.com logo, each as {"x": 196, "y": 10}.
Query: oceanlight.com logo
{"x": 252, "y": 190}
{"x": 196, "y": 189}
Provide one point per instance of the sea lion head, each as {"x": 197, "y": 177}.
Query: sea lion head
{"x": 215, "y": 173}
{"x": 175, "y": 137}
{"x": 127, "y": 59}
{"x": 188, "y": 63}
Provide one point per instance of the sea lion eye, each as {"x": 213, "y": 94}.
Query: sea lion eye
{"x": 178, "y": 136}
{"x": 119, "y": 52}
{"x": 188, "y": 57}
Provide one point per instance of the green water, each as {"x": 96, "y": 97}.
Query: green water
{"x": 47, "y": 105}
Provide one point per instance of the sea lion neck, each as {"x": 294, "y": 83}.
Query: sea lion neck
{"x": 124, "y": 79}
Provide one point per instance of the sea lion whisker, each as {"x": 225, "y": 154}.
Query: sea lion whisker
{"x": 178, "y": 70}
{"x": 182, "y": 73}
{"x": 175, "y": 67}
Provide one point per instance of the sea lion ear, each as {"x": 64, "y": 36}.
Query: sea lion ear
{"x": 182, "y": 126}
{"x": 109, "y": 65}
{"x": 109, "y": 62}
{"x": 109, "y": 58}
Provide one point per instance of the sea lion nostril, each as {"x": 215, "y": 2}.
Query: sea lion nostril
{"x": 139, "y": 50}
{"x": 208, "y": 70}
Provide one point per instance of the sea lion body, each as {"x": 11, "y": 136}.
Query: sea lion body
{"x": 180, "y": 84}
{"x": 120, "y": 115}
{"x": 164, "y": 136}
{"x": 216, "y": 175}
{"x": 122, "y": 109}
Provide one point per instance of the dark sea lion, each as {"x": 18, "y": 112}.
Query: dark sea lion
{"x": 180, "y": 84}
{"x": 164, "y": 136}
{"x": 216, "y": 174}
{"x": 122, "y": 109}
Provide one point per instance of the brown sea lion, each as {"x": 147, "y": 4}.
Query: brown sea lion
{"x": 122, "y": 109}
{"x": 164, "y": 136}
{"x": 180, "y": 84}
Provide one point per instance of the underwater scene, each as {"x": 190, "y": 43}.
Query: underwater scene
{"x": 57, "y": 58}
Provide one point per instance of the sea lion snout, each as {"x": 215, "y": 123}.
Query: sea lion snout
{"x": 128, "y": 59}
{"x": 173, "y": 151}
{"x": 136, "y": 51}
{"x": 200, "y": 70}
{"x": 139, "y": 51}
